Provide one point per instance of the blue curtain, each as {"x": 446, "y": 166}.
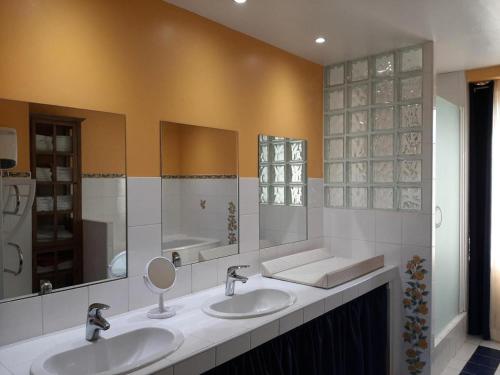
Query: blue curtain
{"x": 350, "y": 340}
{"x": 480, "y": 151}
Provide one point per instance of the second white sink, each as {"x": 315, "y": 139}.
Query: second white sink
{"x": 111, "y": 356}
{"x": 249, "y": 305}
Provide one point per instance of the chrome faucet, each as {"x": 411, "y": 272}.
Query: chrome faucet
{"x": 232, "y": 277}
{"x": 95, "y": 321}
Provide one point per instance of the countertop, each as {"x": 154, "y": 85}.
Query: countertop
{"x": 208, "y": 341}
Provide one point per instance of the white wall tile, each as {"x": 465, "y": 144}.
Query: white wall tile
{"x": 249, "y": 195}
{"x": 65, "y": 309}
{"x": 143, "y": 200}
{"x": 332, "y": 302}
{"x": 315, "y": 192}
{"x": 232, "y": 348}
{"x": 204, "y": 275}
{"x": 388, "y": 227}
{"x": 291, "y": 321}
{"x": 265, "y": 333}
{"x": 391, "y": 253}
{"x": 182, "y": 284}
{"x": 350, "y": 294}
{"x": 249, "y": 232}
{"x": 252, "y": 259}
{"x": 314, "y": 310}
{"x": 139, "y": 295}
{"x": 315, "y": 222}
{"x": 144, "y": 244}
{"x": 20, "y": 319}
{"x": 197, "y": 364}
{"x": 223, "y": 264}
{"x": 417, "y": 229}
{"x": 112, "y": 293}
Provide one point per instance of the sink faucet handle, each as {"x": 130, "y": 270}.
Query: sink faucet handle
{"x": 95, "y": 308}
{"x": 233, "y": 269}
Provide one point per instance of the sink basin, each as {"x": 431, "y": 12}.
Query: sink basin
{"x": 249, "y": 305}
{"x": 120, "y": 354}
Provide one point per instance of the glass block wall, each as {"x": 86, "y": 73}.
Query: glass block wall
{"x": 282, "y": 171}
{"x": 373, "y": 132}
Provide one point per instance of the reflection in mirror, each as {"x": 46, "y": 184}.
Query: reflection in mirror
{"x": 199, "y": 193}
{"x": 63, "y": 204}
{"x": 282, "y": 190}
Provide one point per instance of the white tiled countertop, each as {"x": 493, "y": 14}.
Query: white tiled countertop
{"x": 208, "y": 341}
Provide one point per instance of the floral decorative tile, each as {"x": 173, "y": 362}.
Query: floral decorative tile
{"x": 334, "y": 173}
{"x": 334, "y": 148}
{"x": 359, "y": 70}
{"x": 410, "y": 171}
{"x": 411, "y": 88}
{"x": 358, "y": 147}
{"x": 334, "y": 196}
{"x": 383, "y": 172}
{"x": 410, "y": 198}
{"x": 411, "y": 115}
{"x": 383, "y": 118}
{"x": 358, "y": 172}
{"x": 359, "y": 95}
{"x": 383, "y": 91}
{"x": 410, "y": 143}
{"x": 383, "y": 198}
{"x": 335, "y": 124}
{"x": 359, "y": 197}
{"x": 383, "y": 145}
{"x": 359, "y": 122}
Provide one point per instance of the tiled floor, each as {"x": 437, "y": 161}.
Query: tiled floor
{"x": 457, "y": 364}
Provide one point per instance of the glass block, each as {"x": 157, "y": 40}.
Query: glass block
{"x": 384, "y": 65}
{"x": 383, "y": 91}
{"x": 264, "y": 194}
{"x": 335, "y": 125}
{"x": 410, "y": 198}
{"x": 263, "y": 138}
{"x": 411, "y": 115}
{"x": 296, "y": 173}
{"x": 383, "y": 198}
{"x": 264, "y": 152}
{"x": 334, "y": 173}
{"x": 411, "y": 59}
{"x": 296, "y": 196}
{"x": 264, "y": 174}
{"x": 278, "y": 194}
{"x": 411, "y": 88}
{"x": 296, "y": 151}
{"x": 383, "y": 172}
{"x": 336, "y": 99}
{"x": 359, "y": 95}
{"x": 382, "y": 145}
{"x": 334, "y": 148}
{"x": 359, "y": 70}
{"x": 278, "y": 152}
{"x": 358, "y": 197}
{"x": 383, "y": 118}
{"x": 334, "y": 196}
{"x": 278, "y": 174}
{"x": 410, "y": 143}
{"x": 358, "y": 147}
{"x": 358, "y": 172}
{"x": 410, "y": 171}
{"x": 336, "y": 75}
{"x": 359, "y": 122}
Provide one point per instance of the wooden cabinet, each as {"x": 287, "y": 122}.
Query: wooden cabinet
{"x": 55, "y": 152}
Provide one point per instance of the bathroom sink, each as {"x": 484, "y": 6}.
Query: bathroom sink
{"x": 249, "y": 305}
{"x": 111, "y": 356}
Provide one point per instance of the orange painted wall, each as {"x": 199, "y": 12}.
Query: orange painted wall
{"x": 483, "y": 74}
{"x": 153, "y": 61}
{"x": 197, "y": 150}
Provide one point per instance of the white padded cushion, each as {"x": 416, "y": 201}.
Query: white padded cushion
{"x": 272, "y": 267}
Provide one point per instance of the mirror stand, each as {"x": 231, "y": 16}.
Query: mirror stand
{"x": 162, "y": 311}
{"x": 159, "y": 277}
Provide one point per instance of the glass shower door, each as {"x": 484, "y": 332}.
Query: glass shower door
{"x": 446, "y": 275}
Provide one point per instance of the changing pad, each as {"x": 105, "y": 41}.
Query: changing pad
{"x": 318, "y": 268}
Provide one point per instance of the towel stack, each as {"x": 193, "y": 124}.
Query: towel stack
{"x": 64, "y": 202}
{"x": 44, "y": 143}
{"x": 43, "y": 174}
{"x": 47, "y": 233}
{"x": 64, "y": 174}
{"x": 44, "y": 204}
{"x": 63, "y": 143}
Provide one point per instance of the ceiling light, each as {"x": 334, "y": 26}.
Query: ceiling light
{"x": 320, "y": 40}
{"x": 240, "y": 1}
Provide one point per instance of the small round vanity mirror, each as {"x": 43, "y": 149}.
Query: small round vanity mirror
{"x": 159, "y": 278}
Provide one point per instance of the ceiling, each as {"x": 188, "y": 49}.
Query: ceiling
{"x": 466, "y": 32}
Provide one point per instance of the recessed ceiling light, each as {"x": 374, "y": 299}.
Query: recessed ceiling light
{"x": 240, "y": 1}
{"x": 320, "y": 40}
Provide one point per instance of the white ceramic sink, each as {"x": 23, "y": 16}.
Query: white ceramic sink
{"x": 249, "y": 305}
{"x": 111, "y": 356}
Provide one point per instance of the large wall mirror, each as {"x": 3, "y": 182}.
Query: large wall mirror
{"x": 282, "y": 190}
{"x": 62, "y": 199}
{"x": 199, "y": 193}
